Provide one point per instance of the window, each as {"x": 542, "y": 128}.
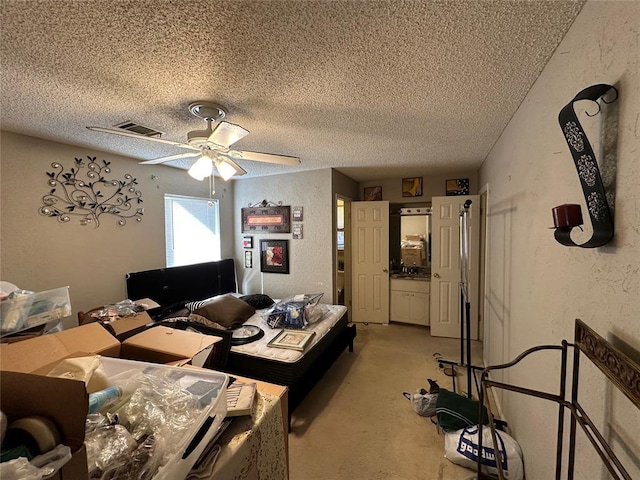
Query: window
{"x": 192, "y": 230}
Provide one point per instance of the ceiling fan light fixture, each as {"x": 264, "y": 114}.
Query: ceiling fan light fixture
{"x": 225, "y": 169}
{"x": 226, "y": 134}
{"x": 202, "y": 168}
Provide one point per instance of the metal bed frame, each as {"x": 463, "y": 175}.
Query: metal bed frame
{"x": 622, "y": 372}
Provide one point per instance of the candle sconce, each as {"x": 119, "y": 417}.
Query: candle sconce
{"x": 568, "y": 216}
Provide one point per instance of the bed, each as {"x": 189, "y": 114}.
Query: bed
{"x": 620, "y": 371}
{"x": 173, "y": 287}
{"x": 299, "y": 371}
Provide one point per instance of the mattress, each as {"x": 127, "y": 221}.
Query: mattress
{"x": 297, "y": 370}
{"x": 261, "y": 349}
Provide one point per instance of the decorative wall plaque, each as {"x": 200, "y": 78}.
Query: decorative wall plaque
{"x": 266, "y": 219}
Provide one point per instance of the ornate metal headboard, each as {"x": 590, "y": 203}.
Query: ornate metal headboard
{"x": 623, "y": 373}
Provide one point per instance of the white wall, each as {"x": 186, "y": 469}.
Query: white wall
{"x": 39, "y": 253}
{"x": 535, "y": 286}
{"x": 310, "y": 258}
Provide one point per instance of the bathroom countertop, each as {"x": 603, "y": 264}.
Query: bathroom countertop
{"x": 424, "y": 277}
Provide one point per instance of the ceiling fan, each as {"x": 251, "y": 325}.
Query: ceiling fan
{"x": 210, "y": 145}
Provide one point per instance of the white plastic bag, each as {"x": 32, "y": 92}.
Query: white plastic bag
{"x": 424, "y": 404}
{"x": 461, "y": 447}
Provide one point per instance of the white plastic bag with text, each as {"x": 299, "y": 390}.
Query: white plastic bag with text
{"x": 461, "y": 447}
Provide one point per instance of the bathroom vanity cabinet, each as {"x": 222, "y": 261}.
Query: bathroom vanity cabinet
{"x": 409, "y": 301}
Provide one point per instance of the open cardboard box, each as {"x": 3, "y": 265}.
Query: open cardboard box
{"x": 122, "y": 327}
{"x": 63, "y": 401}
{"x": 156, "y": 345}
{"x": 25, "y": 391}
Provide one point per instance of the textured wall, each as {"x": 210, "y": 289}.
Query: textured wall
{"x": 536, "y": 287}
{"x": 310, "y": 266}
{"x": 39, "y": 253}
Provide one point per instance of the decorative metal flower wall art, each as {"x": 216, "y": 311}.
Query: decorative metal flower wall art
{"x": 90, "y": 199}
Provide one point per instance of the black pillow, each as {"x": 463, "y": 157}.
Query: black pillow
{"x": 258, "y": 300}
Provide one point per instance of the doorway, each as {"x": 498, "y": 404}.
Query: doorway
{"x": 341, "y": 265}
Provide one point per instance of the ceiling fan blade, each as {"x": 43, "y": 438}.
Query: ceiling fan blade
{"x": 136, "y": 135}
{"x": 226, "y": 134}
{"x": 239, "y": 170}
{"x": 263, "y": 157}
{"x": 170, "y": 158}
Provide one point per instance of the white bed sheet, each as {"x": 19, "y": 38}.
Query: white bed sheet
{"x": 260, "y": 349}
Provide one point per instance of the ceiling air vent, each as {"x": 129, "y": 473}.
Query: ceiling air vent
{"x": 139, "y": 129}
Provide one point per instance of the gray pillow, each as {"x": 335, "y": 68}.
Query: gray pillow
{"x": 226, "y": 310}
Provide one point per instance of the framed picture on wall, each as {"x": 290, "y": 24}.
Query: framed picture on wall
{"x": 274, "y": 256}
{"x": 266, "y": 219}
{"x": 457, "y": 186}
{"x": 372, "y": 194}
{"x": 412, "y": 187}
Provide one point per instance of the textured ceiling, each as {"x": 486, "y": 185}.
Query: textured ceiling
{"x": 372, "y": 88}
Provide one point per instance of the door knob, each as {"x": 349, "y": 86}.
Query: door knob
{"x": 385, "y": 270}
{"x": 435, "y": 275}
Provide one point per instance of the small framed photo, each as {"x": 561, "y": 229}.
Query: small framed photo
{"x": 412, "y": 187}
{"x": 247, "y": 241}
{"x": 373, "y": 194}
{"x": 297, "y": 231}
{"x": 292, "y": 339}
{"x": 297, "y": 214}
{"x": 274, "y": 256}
{"x": 457, "y": 186}
{"x": 248, "y": 259}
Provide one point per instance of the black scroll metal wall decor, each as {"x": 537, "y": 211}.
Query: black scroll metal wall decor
{"x": 89, "y": 200}
{"x": 566, "y": 217}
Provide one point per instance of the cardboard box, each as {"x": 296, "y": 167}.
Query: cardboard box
{"x": 126, "y": 327}
{"x": 25, "y": 391}
{"x": 121, "y": 328}
{"x": 156, "y": 345}
{"x": 40, "y": 354}
{"x": 63, "y": 401}
{"x": 165, "y": 345}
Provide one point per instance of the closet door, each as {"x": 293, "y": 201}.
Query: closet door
{"x": 370, "y": 261}
{"x": 445, "y": 265}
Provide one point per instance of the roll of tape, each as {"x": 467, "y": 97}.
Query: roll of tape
{"x": 43, "y": 431}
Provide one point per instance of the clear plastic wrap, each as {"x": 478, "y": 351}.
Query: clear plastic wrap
{"x": 125, "y": 308}
{"x": 133, "y": 439}
{"x": 108, "y": 447}
{"x": 160, "y": 406}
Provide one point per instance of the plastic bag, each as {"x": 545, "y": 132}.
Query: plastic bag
{"x": 293, "y": 312}
{"x": 461, "y": 448}
{"x": 424, "y": 404}
{"x": 40, "y": 467}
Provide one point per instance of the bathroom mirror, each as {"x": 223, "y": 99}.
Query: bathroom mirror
{"x": 410, "y": 236}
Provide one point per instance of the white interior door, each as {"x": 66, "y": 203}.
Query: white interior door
{"x": 370, "y": 261}
{"x": 445, "y": 265}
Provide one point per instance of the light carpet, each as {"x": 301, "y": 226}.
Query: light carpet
{"x": 356, "y": 424}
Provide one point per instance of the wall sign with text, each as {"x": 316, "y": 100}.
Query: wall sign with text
{"x": 266, "y": 219}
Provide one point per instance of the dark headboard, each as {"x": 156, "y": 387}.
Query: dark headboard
{"x": 173, "y": 286}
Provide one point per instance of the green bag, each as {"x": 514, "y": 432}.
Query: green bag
{"x": 455, "y": 411}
